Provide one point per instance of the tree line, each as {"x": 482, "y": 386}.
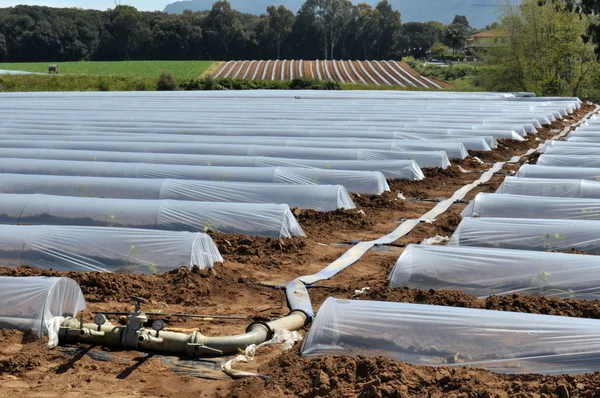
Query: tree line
{"x": 322, "y": 29}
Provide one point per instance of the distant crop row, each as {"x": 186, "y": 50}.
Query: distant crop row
{"x": 390, "y": 73}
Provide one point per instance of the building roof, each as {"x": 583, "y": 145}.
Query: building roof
{"x": 487, "y": 33}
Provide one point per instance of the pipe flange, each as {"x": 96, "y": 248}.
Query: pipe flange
{"x": 264, "y": 325}
{"x": 309, "y": 318}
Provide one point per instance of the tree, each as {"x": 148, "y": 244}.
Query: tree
{"x": 389, "y": 23}
{"x": 414, "y": 38}
{"x": 460, "y": 20}
{"x": 455, "y": 37}
{"x": 330, "y": 18}
{"x": 3, "y": 49}
{"x": 587, "y": 7}
{"x": 280, "y": 21}
{"x": 543, "y": 52}
{"x": 122, "y": 33}
{"x": 368, "y": 28}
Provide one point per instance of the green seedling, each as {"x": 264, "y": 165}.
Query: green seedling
{"x": 111, "y": 219}
{"x": 83, "y": 190}
{"x": 133, "y": 252}
{"x": 542, "y": 279}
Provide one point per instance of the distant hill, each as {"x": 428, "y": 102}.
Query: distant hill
{"x": 479, "y": 12}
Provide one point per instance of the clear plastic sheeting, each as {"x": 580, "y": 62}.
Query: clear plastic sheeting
{"x": 579, "y": 160}
{"x": 421, "y": 142}
{"x": 352, "y": 180}
{"x": 549, "y": 187}
{"x": 271, "y": 220}
{"x": 396, "y": 169}
{"x": 104, "y": 249}
{"x": 585, "y": 149}
{"x": 279, "y": 114}
{"x": 559, "y": 172}
{"x": 316, "y": 197}
{"x": 332, "y": 151}
{"x": 39, "y": 304}
{"x": 484, "y": 272}
{"x": 522, "y": 206}
{"x": 504, "y": 342}
{"x": 529, "y": 234}
{"x": 370, "y": 162}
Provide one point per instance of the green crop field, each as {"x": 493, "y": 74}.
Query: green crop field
{"x": 179, "y": 69}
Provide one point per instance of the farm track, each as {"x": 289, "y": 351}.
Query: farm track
{"x": 352, "y": 72}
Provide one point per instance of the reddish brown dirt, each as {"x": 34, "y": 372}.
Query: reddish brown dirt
{"x": 381, "y": 377}
{"x": 224, "y": 69}
{"x": 308, "y": 69}
{"x": 261, "y": 69}
{"x": 398, "y": 70}
{"x": 392, "y": 72}
{"x": 359, "y": 70}
{"x": 350, "y": 73}
{"x": 27, "y": 369}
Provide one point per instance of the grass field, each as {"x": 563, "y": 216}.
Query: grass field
{"x": 179, "y": 69}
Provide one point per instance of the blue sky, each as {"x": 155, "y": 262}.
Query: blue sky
{"x": 145, "y": 5}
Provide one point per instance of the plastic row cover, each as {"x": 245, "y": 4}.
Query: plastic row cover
{"x": 543, "y": 171}
{"x": 413, "y": 133}
{"x": 484, "y": 272}
{"x": 271, "y": 220}
{"x": 104, "y": 249}
{"x": 396, "y": 169}
{"x": 505, "y": 342}
{"x": 420, "y": 152}
{"x": 424, "y": 159}
{"x": 549, "y": 187}
{"x": 586, "y": 149}
{"x": 452, "y": 146}
{"x": 529, "y": 234}
{"x": 316, "y": 197}
{"x": 39, "y": 304}
{"x": 521, "y": 206}
{"x": 577, "y": 160}
{"x": 594, "y": 139}
{"x": 354, "y": 181}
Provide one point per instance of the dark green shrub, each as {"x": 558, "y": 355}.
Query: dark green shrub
{"x": 166, "y": 82}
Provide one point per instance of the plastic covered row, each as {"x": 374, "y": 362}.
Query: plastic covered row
{"x": 574, "y": 148}
{"x": 452, "y": 146}
{"x": 316, "y": 197}
{"x": 204, "y": 154}
{"x": 504, "y": 342}
{"x": 522, "y": 206}
{"x": 273, "y": 220}
{"x": 484, "y": 272}
{"x": 550, "y": 187}
{"x": 372, "y": 182}
{"x": 422, "y": 159}
{"x": 39, "y": 304}
{"x": 529, "y": 234}
{"x": 559, "y": 172}
{"x": 104, "y": 249}
{"x": 576, "y": 160}
{"x": 412, "y": 133}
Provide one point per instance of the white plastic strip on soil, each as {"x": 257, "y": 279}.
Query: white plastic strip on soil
{"x": 256, "y": 70}
{"x": 296, "y": 291}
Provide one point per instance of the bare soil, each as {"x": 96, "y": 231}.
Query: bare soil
{"x": 236, "y": 287}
